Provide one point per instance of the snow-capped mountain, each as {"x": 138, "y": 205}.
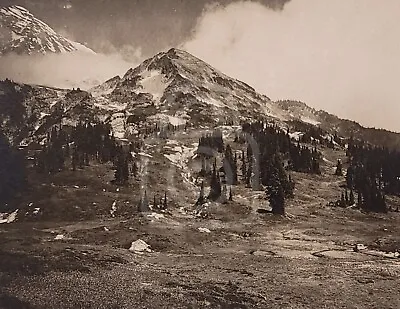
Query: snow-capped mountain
{"x": 180, "y": 85}
{"x": 172, "y": 87}
{"x": 23, "y": 33}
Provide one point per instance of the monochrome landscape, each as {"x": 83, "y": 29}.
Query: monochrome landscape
{"x": 138, "y": 179}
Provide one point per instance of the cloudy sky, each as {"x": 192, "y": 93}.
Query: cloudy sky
{"x": 337, "y": 55}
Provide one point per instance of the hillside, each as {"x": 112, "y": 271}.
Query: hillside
{"x": 158, "y": 189}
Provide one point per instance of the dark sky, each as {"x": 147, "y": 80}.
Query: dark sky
{"x": 152, "y": 25}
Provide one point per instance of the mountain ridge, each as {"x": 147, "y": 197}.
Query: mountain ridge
{"x": 177, "y": 87}
{"x": 22, "y": 33}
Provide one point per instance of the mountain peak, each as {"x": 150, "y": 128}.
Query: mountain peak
{"x": 22, "y": 33}
{"x": 176, "y": 80}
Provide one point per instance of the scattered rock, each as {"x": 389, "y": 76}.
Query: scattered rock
{"x": 59, "y": 237}
{"x": 358, "y": 247}
{"x": 204, "y": 230}
{"x": 263, "y": 211}
{"x": 140, "y": 246}
{"x": 365, "y": 280}
{"x": 9, "y": 218}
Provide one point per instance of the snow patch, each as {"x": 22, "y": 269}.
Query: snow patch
{"x": 155, "y": 216}
{"x": 296, "y": 135}
{"x": 310, "y": 121}
{"x": 143, "y": 154}
{"x": 163, "y": 118}
{"x": 9, "y": 218}
{"x": 154, "y": 82}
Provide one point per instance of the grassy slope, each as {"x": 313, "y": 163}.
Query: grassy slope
{"x": 247, "y": 261}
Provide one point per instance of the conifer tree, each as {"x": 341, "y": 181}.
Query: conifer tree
{"x": 154, "y": 202}
{"x": 276, "y": 195}
{"x": 244, "y": 167}
{"x": 339, "y": 168}
{"x": 201, "y": 199}
{"x": 351, "y": 198}
{"x": 342, "y": 200}
{"x": 165, "y": 205}
{"x": 215, "y": 184}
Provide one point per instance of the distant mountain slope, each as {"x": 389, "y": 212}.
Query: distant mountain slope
{"x": 23, "y": 33}
{"x": 343, "y": 127}
{"x": 172, "y": 87}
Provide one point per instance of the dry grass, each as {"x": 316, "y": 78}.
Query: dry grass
{"x": 249, "y": 260}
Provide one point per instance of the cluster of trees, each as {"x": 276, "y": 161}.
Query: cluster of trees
{"x": 211, "y": 142}
{"x": 269, "y": 139}
{"x": 261, "y": 164}
{"x": 346, "y": 199}
{"x": 12, "y": 170}
{"x": 78, "y": 146}
{"x": 303, "y": 159}
{"x": 157, "y": 204}
{"x": 267, "y": 146}
{"x": 373, "y": 172}
{"x": 163, "y": 130}
{"x": 315, "y": 135}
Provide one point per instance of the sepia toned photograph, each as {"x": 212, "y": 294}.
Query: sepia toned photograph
{"x": 228, "y": 154}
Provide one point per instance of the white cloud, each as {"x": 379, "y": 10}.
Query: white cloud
{"x": 67, "y": 70}
{"x": 341, "y": 56}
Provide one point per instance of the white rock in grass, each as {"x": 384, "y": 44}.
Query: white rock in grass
{"x": 59, "y": 237}
{"x": 204, "y": 230}
{"x": 139, "y": 246}
{"x": 113, "y": 209}
{"x": 358, "y": 247}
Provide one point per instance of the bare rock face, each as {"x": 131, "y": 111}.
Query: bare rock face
{"x": 23, "y": 33}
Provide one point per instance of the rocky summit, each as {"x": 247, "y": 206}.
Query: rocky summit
{"x": 22, "y": 33}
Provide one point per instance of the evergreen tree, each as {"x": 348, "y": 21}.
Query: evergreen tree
{"x": 12, "y": 171}
{"x": 165, "y": 204}
{"x": 215, "y": 184}
{"x": 352, "y": 198}
{"x": 342, "y": 201}
{"x": 155, "y": 206}
{"x": 244, "y": 167}
{"x": 339, "y": 168}
{"x": 276, "y": 195}
{"x": 201, "y": 199}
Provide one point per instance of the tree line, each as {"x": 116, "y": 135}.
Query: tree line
{"x": 373, "y": 173}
